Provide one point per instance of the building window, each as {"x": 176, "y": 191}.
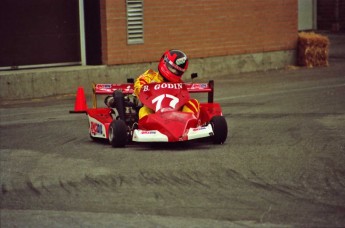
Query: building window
{"x": 135, "y": 21}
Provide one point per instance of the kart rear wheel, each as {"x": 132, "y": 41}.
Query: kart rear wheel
{"x": 220, "y": 129}
{"x": 118, "y": 133}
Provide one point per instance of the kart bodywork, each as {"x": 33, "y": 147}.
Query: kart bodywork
{"x": 167, "y": 124}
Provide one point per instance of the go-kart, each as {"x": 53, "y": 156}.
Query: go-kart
{"x": 120, "y": 125}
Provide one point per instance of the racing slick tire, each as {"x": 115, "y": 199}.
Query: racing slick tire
{"x": 119, "y": 103}
{"x": 220, "y": 129}
{"x": 118, "y": 133}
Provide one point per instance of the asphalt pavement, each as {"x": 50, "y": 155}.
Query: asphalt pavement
{"x": 281, "y": 166}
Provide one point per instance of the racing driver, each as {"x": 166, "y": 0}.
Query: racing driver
{"x": 171, "y": 67}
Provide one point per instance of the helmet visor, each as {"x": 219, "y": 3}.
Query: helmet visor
{"x": 173, "y": 68}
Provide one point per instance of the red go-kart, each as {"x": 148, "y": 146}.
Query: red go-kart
{"x": 168, "y": 123}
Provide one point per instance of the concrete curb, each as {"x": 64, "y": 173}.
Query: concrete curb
{"x": 38, "y": 83}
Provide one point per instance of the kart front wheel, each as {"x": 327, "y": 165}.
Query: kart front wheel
{"x": 118, "y": 133}
{"x": 220, "y": 129}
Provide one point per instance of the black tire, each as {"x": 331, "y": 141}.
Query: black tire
{"x": 220, "y": 129}
{"x": 118, "y": 133}
{"x": 119, "y": 103}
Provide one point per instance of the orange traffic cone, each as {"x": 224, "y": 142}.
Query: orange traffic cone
{"x": 80, "y": 102}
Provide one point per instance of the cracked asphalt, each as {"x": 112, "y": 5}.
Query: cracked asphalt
{"x": 281, "y": 166}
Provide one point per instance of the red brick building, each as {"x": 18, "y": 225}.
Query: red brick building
{"x": 201, "y": 28}
{"x": 71, "y": 32}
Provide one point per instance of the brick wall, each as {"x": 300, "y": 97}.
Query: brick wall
{"x": 201, "y": 28}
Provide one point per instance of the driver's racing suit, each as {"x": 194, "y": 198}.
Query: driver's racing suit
{"x": 151, "y": 76}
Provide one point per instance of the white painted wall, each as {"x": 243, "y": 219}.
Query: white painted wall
{"x": 306, "y": 14}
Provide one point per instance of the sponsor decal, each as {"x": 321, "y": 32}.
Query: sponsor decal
{"x": 148, "y": 132}
{"x": 199, "y": 128}
{"x": 103, "y": 86}
{"x": 96, "y": 128}
{"x": 200, "y": 86}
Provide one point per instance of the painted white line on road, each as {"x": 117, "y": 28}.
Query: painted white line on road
{"x": 281, "y": 92}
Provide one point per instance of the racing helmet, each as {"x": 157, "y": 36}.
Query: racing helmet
{"x": 172, "y": 65}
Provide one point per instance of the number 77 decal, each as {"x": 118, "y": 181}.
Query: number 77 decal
{"x": 160, "y": 98}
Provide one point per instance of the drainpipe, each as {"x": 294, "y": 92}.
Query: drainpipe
{"x": 82, "y": 33}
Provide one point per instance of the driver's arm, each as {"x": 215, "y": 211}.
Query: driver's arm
{"x": 143, "y": 79}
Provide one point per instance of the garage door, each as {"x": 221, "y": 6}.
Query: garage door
{"x": 39, "y": 33}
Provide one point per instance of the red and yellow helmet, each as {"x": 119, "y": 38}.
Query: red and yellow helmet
{"x": 172, "y": 65}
